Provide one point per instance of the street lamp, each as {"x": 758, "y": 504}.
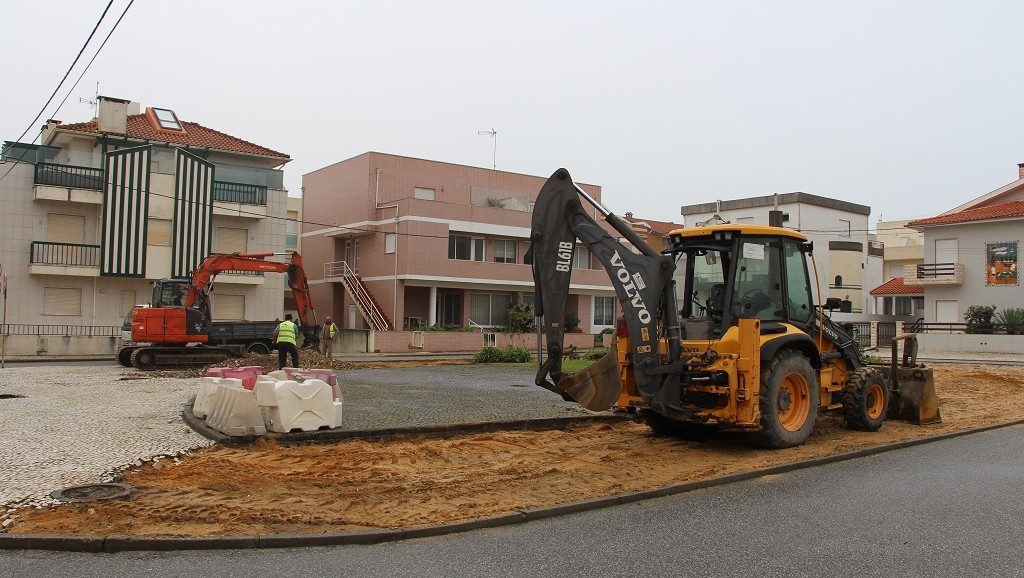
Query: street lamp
{"x": 494, "y": 137}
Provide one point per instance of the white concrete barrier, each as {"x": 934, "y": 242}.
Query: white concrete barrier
{"x": 234, "y": 412}
{"x": 306, "y": 406}
{"x": 204, "y": 397}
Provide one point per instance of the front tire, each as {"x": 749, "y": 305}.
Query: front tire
{"x": 866, "y": 400}
{"x": 788, "y": 400}
{"x": 124, "y": 357}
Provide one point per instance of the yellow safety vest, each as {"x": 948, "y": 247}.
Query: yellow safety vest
{"x": 286, "y": 332}
{"x": 331, "y": 328}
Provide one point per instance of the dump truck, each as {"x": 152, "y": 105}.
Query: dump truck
{"x": 742, "y": 347}
{"x": 176, "y": 327}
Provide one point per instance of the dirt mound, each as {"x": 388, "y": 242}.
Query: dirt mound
{"x": 268, "y": 361}
{"x": 362, "y": 484}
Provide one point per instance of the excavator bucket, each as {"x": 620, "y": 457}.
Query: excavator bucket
{"x": 596, "y": 387}
{"x": 914, "y": 398}
{"x": 913, "y": 386}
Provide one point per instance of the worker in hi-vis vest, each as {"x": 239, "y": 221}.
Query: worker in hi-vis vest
{"x": 330, "y": 331}
{"x": 284, "y": 337}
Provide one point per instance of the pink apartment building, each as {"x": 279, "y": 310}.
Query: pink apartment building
{"x": 405, "y": 242}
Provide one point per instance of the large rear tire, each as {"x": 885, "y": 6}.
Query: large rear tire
{"x": 866, "y": 400}
{"x": 788, "y": 400}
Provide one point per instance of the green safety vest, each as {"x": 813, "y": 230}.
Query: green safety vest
{"x": 286, "y": 332}
{"x": 330, "y": 329}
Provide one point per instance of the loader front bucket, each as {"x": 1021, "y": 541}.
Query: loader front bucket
{"x": 913, "y": 398}
{"x": 597, "y": 387}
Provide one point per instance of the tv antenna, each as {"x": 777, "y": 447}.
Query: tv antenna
{"x": 93, "y": 102}
{"x": 494, "y": 138}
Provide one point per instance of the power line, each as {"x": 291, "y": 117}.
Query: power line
{"x": 66, "y": 74}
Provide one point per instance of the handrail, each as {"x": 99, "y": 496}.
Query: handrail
{"x": 64, "y": 330}
{"x": 355, "y": 285}
{"x": 72, "y": 254}
{"x": 933, "y": 270}
{"x": 70, "y": 176}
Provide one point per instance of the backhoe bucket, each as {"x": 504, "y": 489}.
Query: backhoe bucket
{"x": 914, "y": 397}
{"x": 597, "y": 387}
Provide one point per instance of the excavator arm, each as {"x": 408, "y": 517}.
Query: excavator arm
{"x": 198, "y": 294}
{"x": 643, "y": 286}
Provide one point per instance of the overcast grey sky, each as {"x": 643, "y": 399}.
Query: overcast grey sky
{"x": 909, "y": 107}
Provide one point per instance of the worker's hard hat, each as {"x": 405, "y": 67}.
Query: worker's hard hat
{"x": 328, "y": 318}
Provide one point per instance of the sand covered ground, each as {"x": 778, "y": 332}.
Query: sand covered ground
{"x": 360, "y": 484}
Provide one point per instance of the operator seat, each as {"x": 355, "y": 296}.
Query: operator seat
{"x": 716, "y": 300}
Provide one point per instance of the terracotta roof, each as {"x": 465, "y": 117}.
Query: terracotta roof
{"x": 662, "y": 228}
{"x": 895, "y": 286}
{"x": 1000, "y": 211}
{"x": 194, "y": 135}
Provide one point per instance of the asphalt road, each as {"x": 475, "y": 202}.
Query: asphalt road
{"x": 949, "y": 508}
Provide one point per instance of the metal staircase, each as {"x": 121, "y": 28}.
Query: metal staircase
{"x": 364, "y": 302}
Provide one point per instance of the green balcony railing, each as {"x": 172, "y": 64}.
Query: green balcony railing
{"x": 239, "y": 193}
{"x": 69, "y": 176}
{"x": 46, "y": 253}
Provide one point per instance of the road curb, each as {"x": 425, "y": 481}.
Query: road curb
{"x": 110, "y": 544}
{"x": 434, "y": 431}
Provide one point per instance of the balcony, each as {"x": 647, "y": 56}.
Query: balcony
{"x": 70, "y": 259}
{"x": 239, "y": 200}
{"x": 240, "y": 277}
{"x": 53, "y": 182}
{"x": 934, "y": 274}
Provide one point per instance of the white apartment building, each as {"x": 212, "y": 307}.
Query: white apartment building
{"x": 101, "y": 208}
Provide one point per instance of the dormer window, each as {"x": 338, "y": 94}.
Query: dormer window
{"x": 167, "y": 119}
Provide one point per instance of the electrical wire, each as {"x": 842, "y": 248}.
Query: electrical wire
{"x": 68, "y": 73}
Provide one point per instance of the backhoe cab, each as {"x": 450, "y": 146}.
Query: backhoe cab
{"x": 743, "y": 348}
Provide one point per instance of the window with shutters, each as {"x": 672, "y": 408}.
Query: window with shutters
{"x": 228, "y": 307}
{"x": 159, "y": 232}
{"x": 62, "y": 301}
{"x": 65, "y": 228}
{"x": 231, "y": 240}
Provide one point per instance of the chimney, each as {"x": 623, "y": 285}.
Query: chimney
{"x": 1020, "y": 170}
{"x": 113, "y": 115}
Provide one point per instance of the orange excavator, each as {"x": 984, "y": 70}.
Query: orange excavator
{"x": 175, "y": 329}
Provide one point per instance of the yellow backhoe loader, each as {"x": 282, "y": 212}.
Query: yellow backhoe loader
{"x": 744, "y": 348}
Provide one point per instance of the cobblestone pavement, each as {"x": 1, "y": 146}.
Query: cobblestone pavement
{"x": 63, "y": 426}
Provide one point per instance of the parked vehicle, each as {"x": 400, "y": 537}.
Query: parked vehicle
{"x": 176, "y": 328}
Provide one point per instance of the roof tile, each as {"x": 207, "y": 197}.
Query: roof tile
{"x": 193, "y": 135}
{"x": 1000, "y": 211}
{"x": 896, "y": 286}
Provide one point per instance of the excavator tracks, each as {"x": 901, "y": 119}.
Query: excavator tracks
{"x": 148, "y": 358}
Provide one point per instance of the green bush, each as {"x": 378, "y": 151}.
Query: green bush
{"x": 1012, "y": 319}
{"x": 979, "y": 318}
{"x": 508, "y": 354}
{"x": 437, "y": 327}
{"x": 520, "y": 319}
{"x": 597, "y": 353}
